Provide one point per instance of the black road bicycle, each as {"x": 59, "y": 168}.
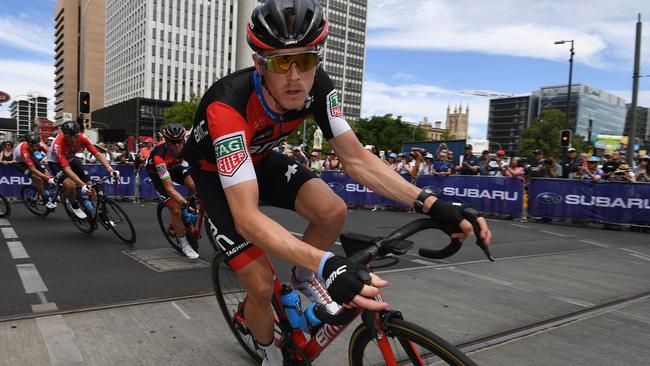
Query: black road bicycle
{"x": 35, "y": 204}
{"x": 104, "y": 212}
{"x": 5, "y": 207}
{"x": 192, "y": 229}
{"x": 383, "y": 338}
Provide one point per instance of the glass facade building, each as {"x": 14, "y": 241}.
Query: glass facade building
{"x": 508, "y": 119}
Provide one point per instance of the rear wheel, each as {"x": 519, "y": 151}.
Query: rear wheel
{"x": 409, "y": 344}
{"x": 116, "y": 218}
{"x": 33, "y": 201}
{"x": 5, "y": 208}
{"x": 164, "y": 221}
{"x": 231, "y": 296}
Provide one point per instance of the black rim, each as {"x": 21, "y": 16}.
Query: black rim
{"x": 5, "y": 208}
{"x": 32, "y": 201}
{"x": 164, "y": 220}
{"x": 121, "y": 224}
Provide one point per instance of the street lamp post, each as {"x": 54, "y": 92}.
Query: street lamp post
{"x": 568, "y": 95}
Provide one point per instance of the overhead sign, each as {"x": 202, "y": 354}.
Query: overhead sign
{"x": 4, "y": 97}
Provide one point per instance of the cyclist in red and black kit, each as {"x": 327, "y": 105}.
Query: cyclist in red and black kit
{"x": 166, "y": 166}
{"x": 67, "y": 168}
{"x": 28, "y": 164}
{"x": 239, "y": 121}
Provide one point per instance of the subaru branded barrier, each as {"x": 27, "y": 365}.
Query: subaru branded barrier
{"x": 148, "y": 191}
{"x": 502, "y": 195}
{"x": 610, "y": 202}
{"x": 353, "y": 193}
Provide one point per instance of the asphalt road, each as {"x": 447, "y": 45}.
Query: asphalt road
{"x": 75, "y": 271}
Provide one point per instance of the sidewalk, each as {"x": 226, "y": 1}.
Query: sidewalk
{"x": 459, "y": 303}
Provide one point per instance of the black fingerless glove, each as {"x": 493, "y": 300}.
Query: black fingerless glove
{"x": 449, "y": 213}
{"x": 344, "y": 278}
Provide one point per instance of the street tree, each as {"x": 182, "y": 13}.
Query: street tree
{"x": 183, "y": 112}
{"x": 544, "y": 134}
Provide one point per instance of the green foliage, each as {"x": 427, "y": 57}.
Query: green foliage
{"x": 544, "y": 134}
{"x": 446, "y": 135}
{"x": 182, "y": 112}
{"x": 387, "y": 132}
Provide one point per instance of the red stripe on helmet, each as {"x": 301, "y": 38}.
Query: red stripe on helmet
{"x": 322, "y": 34}
{"x": 256, "y": 41}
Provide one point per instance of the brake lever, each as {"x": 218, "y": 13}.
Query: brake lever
{"x": 471, "y": 214}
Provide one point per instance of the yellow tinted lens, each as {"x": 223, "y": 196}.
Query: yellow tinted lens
{"x": 282, "y": 63}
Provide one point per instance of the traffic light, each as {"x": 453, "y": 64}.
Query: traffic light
{"x": 565, "y": 138}
{"x": 84, "y": 102}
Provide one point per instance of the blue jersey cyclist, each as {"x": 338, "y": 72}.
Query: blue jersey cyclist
{"x": 239, "y": 121}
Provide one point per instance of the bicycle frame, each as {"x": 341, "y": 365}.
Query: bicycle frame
{"x": 309, "y": 349}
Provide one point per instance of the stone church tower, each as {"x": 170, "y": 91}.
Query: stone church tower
{"x": 458, "y": 122}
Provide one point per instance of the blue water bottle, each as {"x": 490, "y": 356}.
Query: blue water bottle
{"x": 311, "y": 316}
{"x": 88, "y": 205}
{"x": 189, "y": 217}
{"x": 293, "y": 307}
{"x": 46, "y": 194}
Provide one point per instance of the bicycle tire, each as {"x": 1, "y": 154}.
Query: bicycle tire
{"x": 5, "y": 207}
{"x": 117, "y": 216}
{"x": 84, "y": 225}
{"x": 32, "y": 200}
{"x": 164, "y": 221}
{"x": 230, "y": 293}
{"x": 431, "y": 348}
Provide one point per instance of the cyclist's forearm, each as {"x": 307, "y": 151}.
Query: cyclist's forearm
{"x": 103, "y": 160}
{"x": 176, "y": 196}
{"x": 38, "y": 173}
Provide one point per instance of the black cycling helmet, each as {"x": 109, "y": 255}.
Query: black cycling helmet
{"x": 33, "y": 138}
{"x": 70, "y": 128}
{"x": 174, "y": 131}
{"x": 279, "y": 24}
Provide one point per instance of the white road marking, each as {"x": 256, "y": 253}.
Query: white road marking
{"x": 640, "y": 256}
{"x": 41, "y": 308}
{"x": 183, "y": 313}
{"x": 521, "y": 226}
{"x": 4, "y": 222}
{"x": 421, "y": 261}
{"x": 41, "y": 296}
{"x": 594, "y": 243}
{"x": 647, "y": 257}
{"x": 32, "y": 281}
{"x": 486, "y": 278}
{"x": 9, "y": 233}
{"x": 17, "y": 250}
{"x": 60, "y": 341}
{"x": 552, "y": 233}
{"x": 573, "y": 301}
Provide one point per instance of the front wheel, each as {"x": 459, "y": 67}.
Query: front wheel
{"x": 32, "y": 200}
{"x": 5, "y": 208}
{"x": 164, "y": 221}
{"x": 408, "y": 343}
{"x": 84, "y": 225}
{"x": 114, "y": 217}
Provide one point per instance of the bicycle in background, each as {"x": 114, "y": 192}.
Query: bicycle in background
{"x": 193, "y": 225}
{"x": 35, "y": 204}
{"x": 5, "y": 207}
{"x": 384, "y": 337}
{"x": 101, "y": 211}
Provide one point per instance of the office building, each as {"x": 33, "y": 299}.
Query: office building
{"x": 590, "y": 109}
{"x": 79, "y": 54}
{"x": 345, "y": 50}
{"x": 508, "y": 119}
{"x": 642, "y": 123}
{"x": 167, "y": 50}
{"x": 27, "y": 110}
{"x": 136, "y": 116}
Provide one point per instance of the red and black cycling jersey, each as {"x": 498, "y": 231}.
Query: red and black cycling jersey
{"x": 234, "y": 129}
{"x": 161, "y": 160}
{"x": 23, "y": 154}
{"x": 61, "y": 152}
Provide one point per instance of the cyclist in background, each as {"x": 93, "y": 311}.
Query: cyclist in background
{"x": 239, "y": 121}
{"x": 166, "y": 166}
{"x": 27, "y": 163}
{"x": 68, "y": 169}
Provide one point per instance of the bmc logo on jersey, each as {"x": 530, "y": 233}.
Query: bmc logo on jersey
{"x": 230, "y": 153}
{"x": 334, "y": 108}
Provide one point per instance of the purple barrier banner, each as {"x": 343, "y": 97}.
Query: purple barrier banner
{"x": 611, "y": 202}
{"x": 353, "y": 193}
{"x": 11, "y": 180}
{"x": 486, "y": 194}
{"x": 147, "y": 190}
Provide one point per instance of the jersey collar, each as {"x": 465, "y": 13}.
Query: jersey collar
{"x": 257, "y": 80}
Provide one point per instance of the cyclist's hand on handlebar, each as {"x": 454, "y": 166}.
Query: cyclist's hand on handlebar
{"x": 85, "y": 189}
{"x": 50, "y": 181}
{"x": 465, "y": 216}
{"x": 114, "y": 173}
{"x": 349, "y": 282}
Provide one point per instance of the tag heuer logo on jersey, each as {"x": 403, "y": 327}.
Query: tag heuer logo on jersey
{"x": 334, "y": 107}
{"x": 230, "y": 152}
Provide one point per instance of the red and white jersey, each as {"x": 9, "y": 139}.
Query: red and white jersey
{"x": 22, "y": 153}
{"x": 61, "y": 153}
{"x": 234, "y": 129}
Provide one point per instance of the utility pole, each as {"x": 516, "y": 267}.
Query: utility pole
{"x": 635, "y": 93}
